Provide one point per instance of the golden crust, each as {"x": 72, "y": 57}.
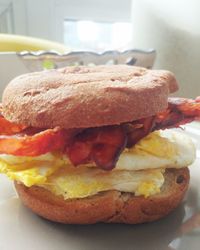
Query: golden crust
{"x": 80, "y": 97}
{"x": 108, "y": 207}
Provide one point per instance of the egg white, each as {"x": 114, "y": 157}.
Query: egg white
{"x": 173, "y": 150}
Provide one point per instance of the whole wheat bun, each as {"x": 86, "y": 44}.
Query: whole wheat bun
{"x": 82, "y": 97}
{"x": 110, "y": 206}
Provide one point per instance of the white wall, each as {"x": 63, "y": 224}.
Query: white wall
{"x": 15, "y": 10}
{"x": 44, "y": 18}
{"x": 173, "y": 29}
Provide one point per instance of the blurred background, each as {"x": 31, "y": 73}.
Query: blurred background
{"x": 172, "y": 27}
{"x": 79, "y": 24}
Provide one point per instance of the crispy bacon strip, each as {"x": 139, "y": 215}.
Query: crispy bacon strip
{"x": 138, "y": 129}
{"x": 33, "y": 145}
{"x": 179, "y": 112}
{"x": 9, "y": 128}
{"x": 188, "y": 107}
{"x": 100, "y": 145}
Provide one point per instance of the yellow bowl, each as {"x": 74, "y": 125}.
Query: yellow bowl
{"x": 19, "y": 43}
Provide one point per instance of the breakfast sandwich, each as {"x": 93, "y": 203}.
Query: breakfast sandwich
{"x": 95, "y": 144}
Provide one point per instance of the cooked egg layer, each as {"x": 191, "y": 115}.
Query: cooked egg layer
{"x": 139, "y": 169}
{"x": 160, "y": 149}
{"x": 86, "y": 182}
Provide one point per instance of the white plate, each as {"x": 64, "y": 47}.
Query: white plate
{"x": 20, "y": 229}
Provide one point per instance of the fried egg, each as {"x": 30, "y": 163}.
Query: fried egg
{"x": 85, "y": 182}
{"x": 32, "y": 175}
{"x": 139, "y": 169}
{"x": 160, "y": 149}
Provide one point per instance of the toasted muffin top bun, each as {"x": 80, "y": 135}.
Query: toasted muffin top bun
{"x": 81, "y": 97}
{"x": 110, "y": 206}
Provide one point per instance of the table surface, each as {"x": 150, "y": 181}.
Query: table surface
{"x": 20, "y": 229}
